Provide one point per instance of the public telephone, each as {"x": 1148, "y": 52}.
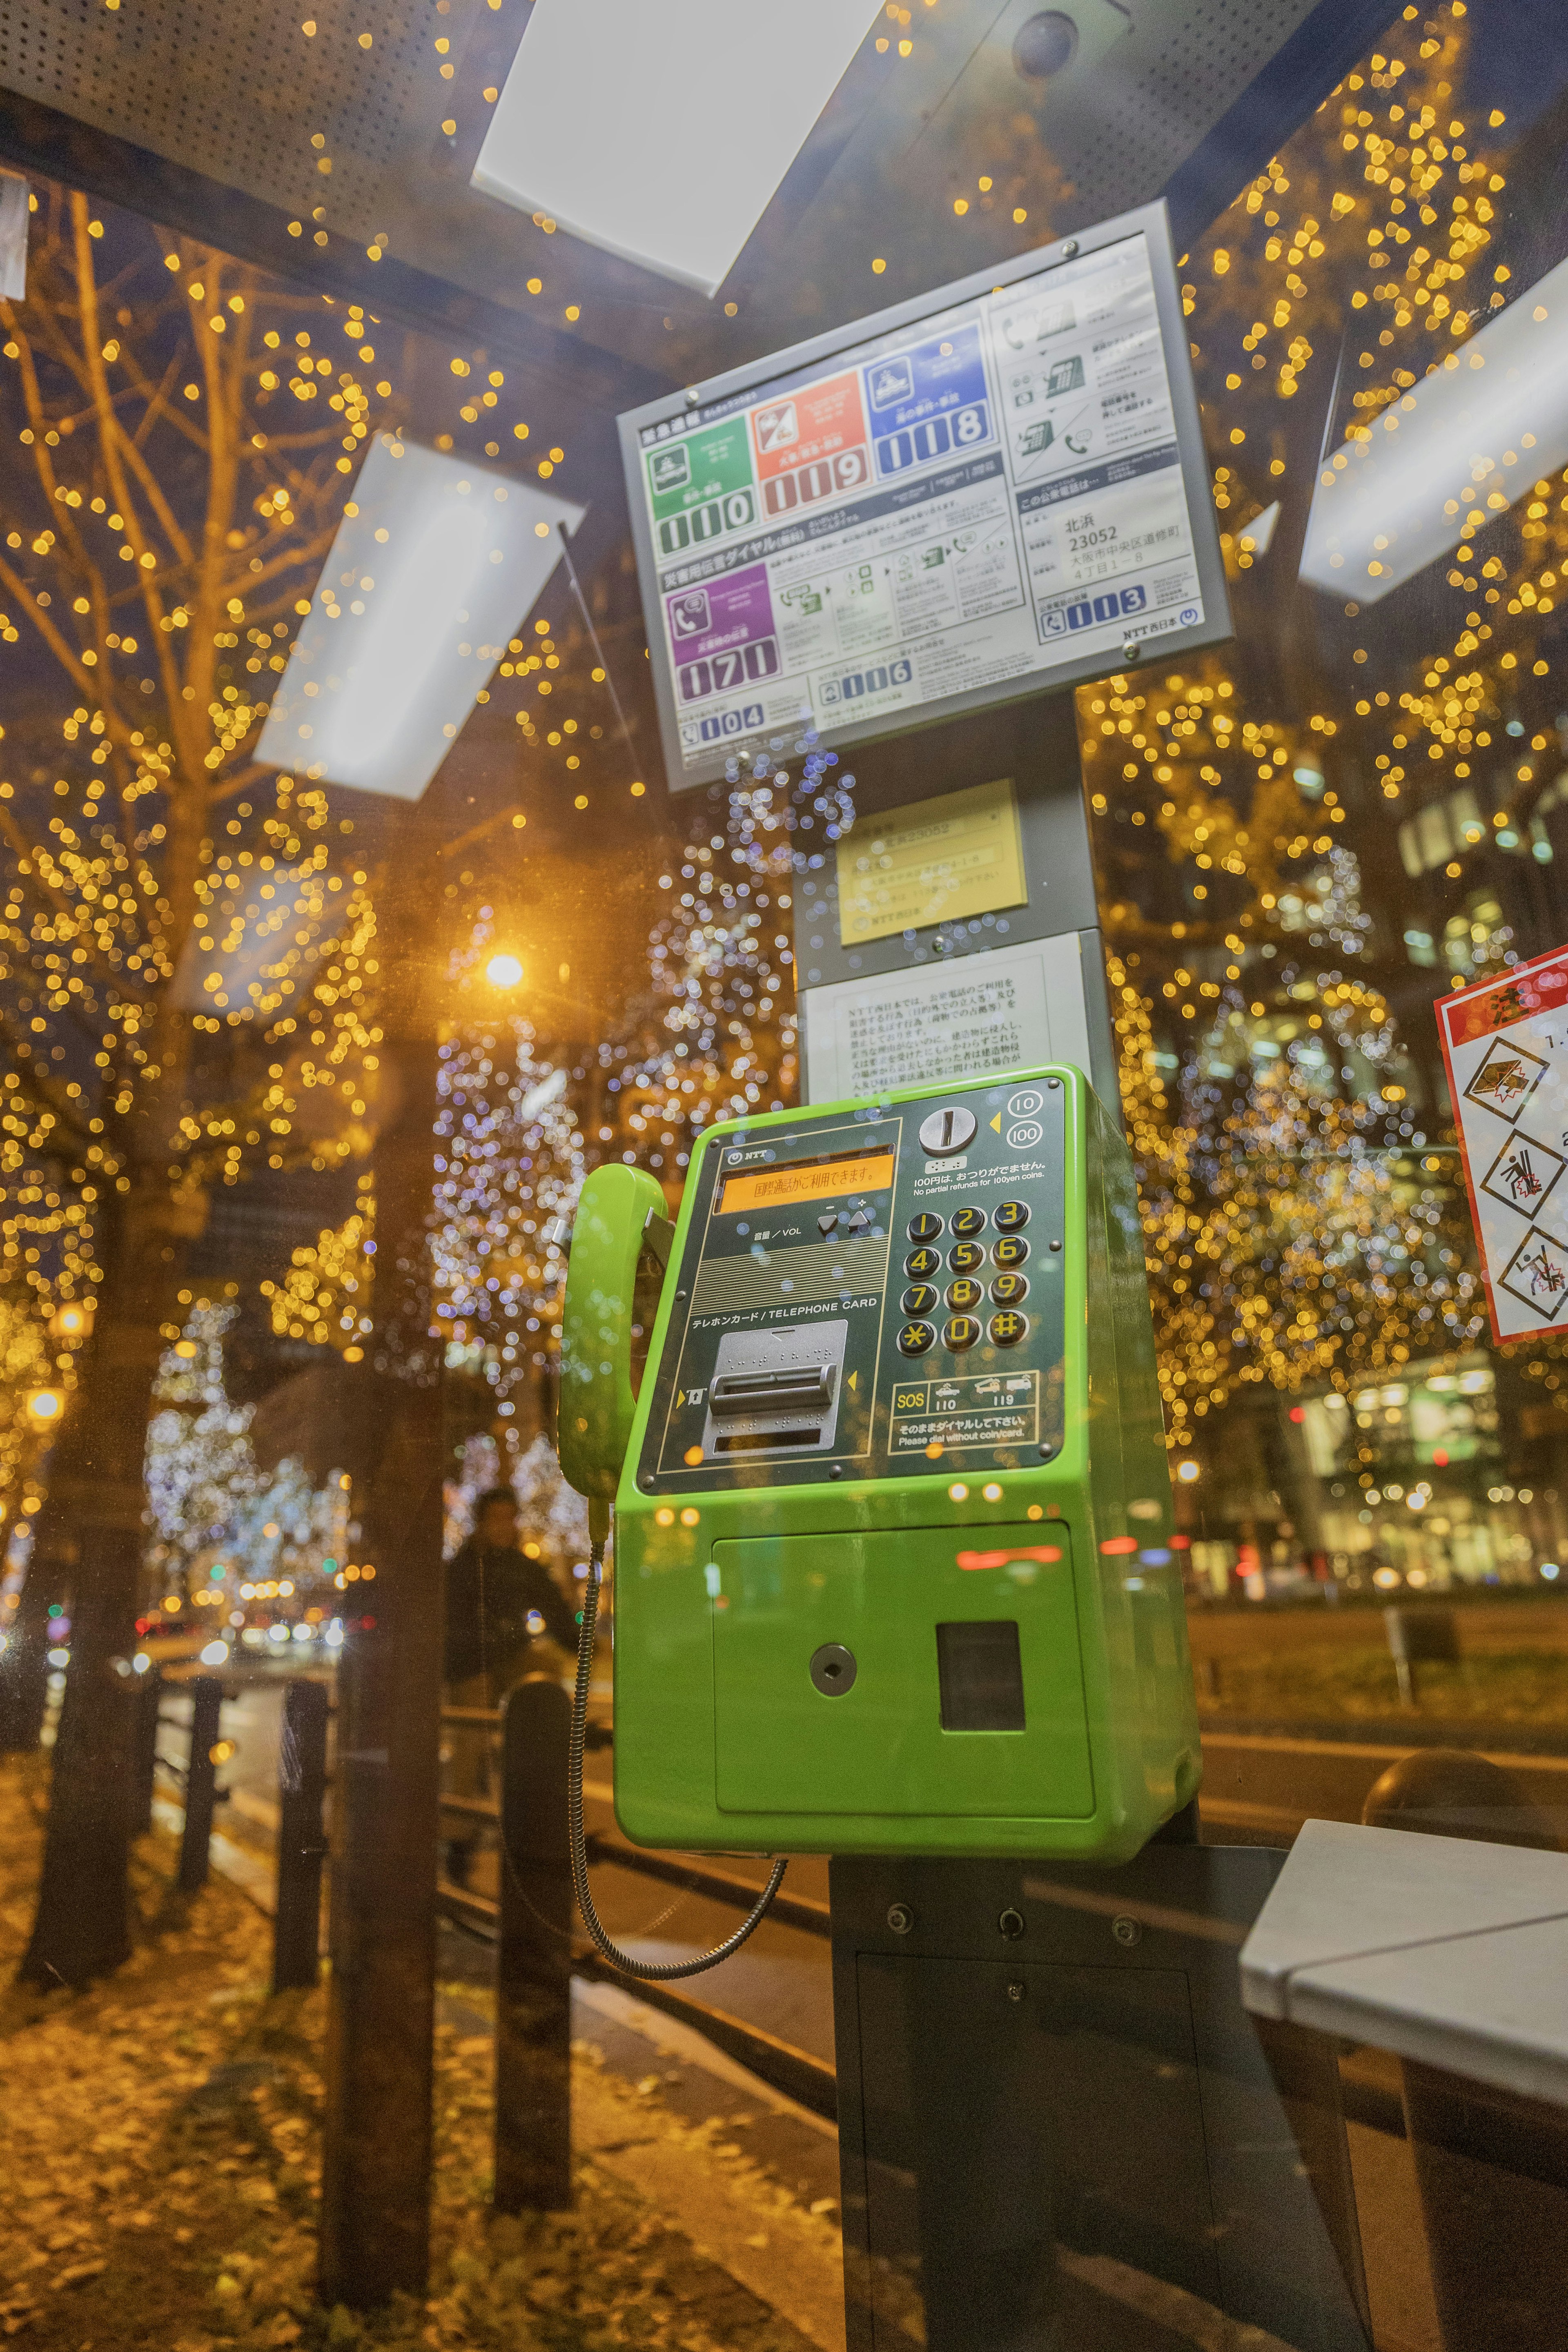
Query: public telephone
{"x": 893, "y": 1563}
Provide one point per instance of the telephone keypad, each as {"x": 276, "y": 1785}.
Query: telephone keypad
{"x": 1008, "y": 1328}
{"x": 968, "y": 1221}
{"x": 1009, "y": 1289}
{"x": 925, "y": 1227}
{"x": 965, "y": 1292}
{"x": 965, "y": 1256}
{"x": 916, "y": 1338}
{"x": 1012, "y": 1216}
{"x": 961, "y": 1331}
{"x": 920, "y": 1298}
{"x": 923, "y": 1261}
{"x": 1010, "y": 1250}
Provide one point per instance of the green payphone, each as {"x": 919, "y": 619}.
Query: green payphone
{"x": 893, "y": 1568}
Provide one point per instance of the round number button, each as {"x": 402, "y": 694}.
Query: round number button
{"x": 962, "y": 1331}
{"x": 925, "y": 1227}
{"x": 965, "y": 1256}
{"x": 964, "y": 1293}
{"x": 921, "y": 1297}
{"x": 968, "y": 1221}
{"x": 922, "y": 1261}
{"x": 915, "y": 1339}
{"x": 1010, "y": 1250}
{"x": 1011, "y": 1216}
{"x": 1008, "y": 1328}
{"x": 1007, "y": 1290}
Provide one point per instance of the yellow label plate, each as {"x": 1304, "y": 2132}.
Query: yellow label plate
{"x": 940, "y": 861}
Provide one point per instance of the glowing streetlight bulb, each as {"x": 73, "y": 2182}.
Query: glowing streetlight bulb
{"x": 45, "y": 1404}
{"x": 503, "y": 972}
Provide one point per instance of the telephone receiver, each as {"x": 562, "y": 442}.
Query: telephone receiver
{"x": 619, "y": 1251}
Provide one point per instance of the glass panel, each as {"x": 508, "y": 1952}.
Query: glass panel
{"x": 1301, "y": 842}
{"x": 346, "y": 927}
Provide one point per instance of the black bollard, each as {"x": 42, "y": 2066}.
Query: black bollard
{"x": 201, "y": 1783}
{"x": 149, "y": 1699}
{"x": 1418, "y": 1637}
{"x": 1452, "y": 1792}
{"x": 1492, "y": 2167}
{"x": 534, "y": 1967}
{"x": 302, "y": 1846}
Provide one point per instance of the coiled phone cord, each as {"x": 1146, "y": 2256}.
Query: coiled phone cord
{"x": 650, "y": 1971}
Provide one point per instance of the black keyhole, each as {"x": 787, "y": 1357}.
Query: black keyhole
{"x": 832, "y": 1669}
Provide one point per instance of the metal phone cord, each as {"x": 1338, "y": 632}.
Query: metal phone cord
{"x": 651, "y": 1972}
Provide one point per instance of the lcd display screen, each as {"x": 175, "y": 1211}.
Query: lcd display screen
{"x": 805, "y": 1180}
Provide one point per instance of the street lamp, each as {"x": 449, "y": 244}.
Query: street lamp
{"x": 44, "y": 1405}
{"x": 503, "y": 972}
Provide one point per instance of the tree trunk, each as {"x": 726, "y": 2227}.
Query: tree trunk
{"x": 375, "y": 2184}
{"x": 82, "y": 1925}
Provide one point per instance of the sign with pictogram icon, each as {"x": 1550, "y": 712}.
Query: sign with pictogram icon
{"x": 997, "y": 489}
{"x": 1505, "y": 1048}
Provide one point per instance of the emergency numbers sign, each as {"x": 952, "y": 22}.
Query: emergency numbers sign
{"x": 999, "y": 488}
{"x": 1505, "y": 1047}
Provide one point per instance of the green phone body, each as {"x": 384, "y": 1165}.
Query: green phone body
{"x": 892, "y": 1559}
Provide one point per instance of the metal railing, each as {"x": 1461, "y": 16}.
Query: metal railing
{"x": 533, "y": 1729}
{"x": 533, "y": 1921}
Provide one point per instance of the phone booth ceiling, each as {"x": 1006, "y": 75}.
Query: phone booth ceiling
{"x": 395, "y": 155}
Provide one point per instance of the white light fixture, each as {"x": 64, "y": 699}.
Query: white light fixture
{"x": 425, "y": 583}
{"x": 660, "y": 132}
{"x": 1457, "y": 448}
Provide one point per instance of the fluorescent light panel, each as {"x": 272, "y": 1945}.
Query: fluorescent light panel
{"x": 1490, "y": 421}
{"x": 406, "y": 627}
{"x": 659, "y": 130}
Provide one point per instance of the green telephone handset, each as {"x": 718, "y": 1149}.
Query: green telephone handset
{"x": 621, "y": 1222}
{"x": 621, "y": 1234}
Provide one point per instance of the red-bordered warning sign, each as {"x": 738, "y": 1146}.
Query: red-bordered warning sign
{"x": 1505, "y": 1048}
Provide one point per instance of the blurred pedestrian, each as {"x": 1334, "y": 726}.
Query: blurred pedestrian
{"x": 506, "y": 1616}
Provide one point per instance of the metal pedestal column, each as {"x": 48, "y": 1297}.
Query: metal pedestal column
{"x": 1060, "y": 2131}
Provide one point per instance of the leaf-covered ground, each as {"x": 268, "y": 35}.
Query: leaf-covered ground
{"x": 159, "y": 2163}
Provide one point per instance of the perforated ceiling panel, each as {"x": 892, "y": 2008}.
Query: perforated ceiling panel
{"x": 1185, "y": 64}
{"x": 237, "y": 91}
{"x": 1121, "y": 117}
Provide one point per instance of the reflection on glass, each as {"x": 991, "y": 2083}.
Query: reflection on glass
{"x": 1356, "y": 804}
